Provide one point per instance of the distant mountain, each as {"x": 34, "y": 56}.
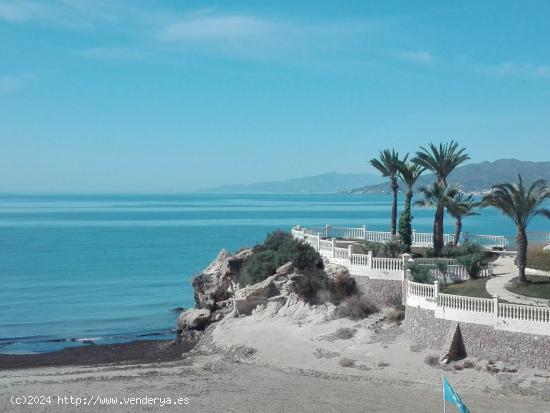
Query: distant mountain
{"x": 326, "y": 183}
{"x": 479, "y": 177}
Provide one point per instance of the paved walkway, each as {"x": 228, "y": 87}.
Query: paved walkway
{"x": 505, "y": 270}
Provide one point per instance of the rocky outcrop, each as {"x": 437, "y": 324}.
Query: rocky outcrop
{"x": 194, "y": 319}
{"x": 278, "y": 285}
{"x": 214, "y": 284}
{"x": 217, "y": 294}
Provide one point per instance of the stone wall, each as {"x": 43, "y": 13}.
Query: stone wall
{"x": 380, "y": 292}
{"x": 479, "y": 340}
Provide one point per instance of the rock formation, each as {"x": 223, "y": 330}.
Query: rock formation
{"x": 217, "y": 293}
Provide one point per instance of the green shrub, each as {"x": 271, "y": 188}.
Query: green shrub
{"x": 421, "y": 274}
{"x": 392, "y": 249}
{"x": 278, "y": 248}
{"x": 315, "y": 287}
{"x": 453, "y": 252}
{"x": 405, "y": 230}
{"x": 473, "y": 263}
{"x": 389, "y": 249}
{"x": 365, "y": 246}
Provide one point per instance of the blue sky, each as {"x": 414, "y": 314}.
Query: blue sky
{"x": 140, "y": 96}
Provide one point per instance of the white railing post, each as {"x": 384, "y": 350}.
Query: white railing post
{"x": 369, "y": 259}
{"x": 364, "y": 227}
{"x": 319, "y": 243}
{"x": 413, "y": 240}
{"x": 436, "y": 289}
{"x": 405, "y": 286}
{"x": 495, "y": 308}
{"x": 350, "y": 251}
{"x": 333, "y": 246}
{"x": 327, "y": 230}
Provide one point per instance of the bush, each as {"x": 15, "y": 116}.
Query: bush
{"x": 346, "y": 362}
{"x": 278, "y": 248}
{"x": 343, "y": 286}
{"x": 473, "y": 263}
{"x": 389, "y": 249}
{"x": 314, "y": 287}
{"x": 432, "y": 360}
{"x": 396, "y": 314}
{"x": 365, "y": 246}
{"x": 453, "y": 252}
{"x": 392, "y": 249}
{"x": 356, "y": 307}
{"x": 421, "y": 274}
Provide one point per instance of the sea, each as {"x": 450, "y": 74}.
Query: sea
{"x": 83, "y": 269}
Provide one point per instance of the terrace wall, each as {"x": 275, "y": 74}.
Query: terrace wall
{"x": 484, "y": 341}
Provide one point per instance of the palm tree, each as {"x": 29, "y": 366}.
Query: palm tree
{"x": 437, "y": 195}
{"x": 459, "y": 207}
{"x": 388, "y": 165}
{"x": 441, "y": 160}
{"x": 409, "y": 172}
{"x": 521, "y": 205}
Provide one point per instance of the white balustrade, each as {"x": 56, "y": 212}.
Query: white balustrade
{"x": 325, "y": 245}
{"x": 460, "y": 302}
{"x": 341, "y": 253}
{"x": 524, "y": 312}
{"x": 391, "y": 264}
{"x": 375, "y": 236}
{"x": 420, "y": 290}
{"x": 360, "y": 259}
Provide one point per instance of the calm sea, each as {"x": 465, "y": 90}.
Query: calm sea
{"x": 113, "y": 268}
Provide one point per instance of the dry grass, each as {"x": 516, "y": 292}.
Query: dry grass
{"x": 432, "y": 360}
{"x": 396, "y": 314}
{"x": 344, "y": 333}
{"x": 356, "y": 307}
{"x": 538, "y": 259}
{"x": 346, "y": 362}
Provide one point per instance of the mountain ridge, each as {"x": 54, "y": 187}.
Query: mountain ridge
{"x": 478, "y": 177}
{"x": 330, "y": 182}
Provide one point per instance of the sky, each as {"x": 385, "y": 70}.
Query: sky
{"x": 171, "y": 96}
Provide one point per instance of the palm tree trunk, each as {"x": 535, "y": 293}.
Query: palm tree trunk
{"x": 522, "y": 254}
{"x": 394, "y": 188}
{"x": 438, "y": 230}
{"x": 458, "y": 231}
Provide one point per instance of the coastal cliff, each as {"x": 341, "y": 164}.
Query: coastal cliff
{"x": 220, "y": 290}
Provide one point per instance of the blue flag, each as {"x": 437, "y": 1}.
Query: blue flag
{"x": 452, "y": 397}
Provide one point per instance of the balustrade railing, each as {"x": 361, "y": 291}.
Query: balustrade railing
{"x": 341, "y": 252}
{"x": 421, "y": 290}
{"x": 375, "y": 236}
{"x": 360, "y": 259}
{"x": 460, "y": 302}
{"x": 524, "y": 312}
{"x": 391, "y": 264}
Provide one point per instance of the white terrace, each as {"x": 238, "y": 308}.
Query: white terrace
{"x": 367, "y": 265}
{"x": 419, "y": 239}
{"x": 492, "y": 312}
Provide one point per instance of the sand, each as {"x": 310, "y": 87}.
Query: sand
{"x": 295, "y": 362}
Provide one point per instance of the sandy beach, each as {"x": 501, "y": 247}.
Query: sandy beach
{"x": 298, "y": 361}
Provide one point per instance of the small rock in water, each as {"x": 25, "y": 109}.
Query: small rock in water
{"x": 178, "y": 310}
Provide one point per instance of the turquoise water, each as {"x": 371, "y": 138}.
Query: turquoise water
{"x": 114, "y": 268}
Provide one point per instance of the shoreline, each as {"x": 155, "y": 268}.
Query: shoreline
{"x": 250, "y": 371}
{"x": 133, "y": 352}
